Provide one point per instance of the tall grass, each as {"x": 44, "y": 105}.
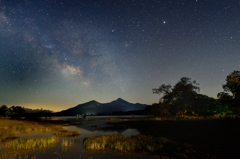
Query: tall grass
{"x": 29, "y": 144}
{"x": 158, "y": 147}
{"x": 11, "y": 128}
{"x": 124, "y": 143}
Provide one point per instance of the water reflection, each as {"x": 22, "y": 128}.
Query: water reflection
{"x": 67, "y": 143}
{"x": 91, "y": 132}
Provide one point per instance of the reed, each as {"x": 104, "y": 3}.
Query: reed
{"x": 160, "y": 147}
{"x": 67, "y": 143}
{"x": 11, "y": 128}
{"x": 123, "y": 143}
{"x": 65, "y": 133}
{"x": 29, "y": 144}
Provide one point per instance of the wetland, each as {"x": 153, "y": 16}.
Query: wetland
{"x": 120, "y": 138}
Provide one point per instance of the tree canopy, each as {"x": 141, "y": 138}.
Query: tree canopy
{"x": 230, "y": 97}
{"x": 3, "y": 110}
{"x": 233, "y": 84}
{"x": 180, "y": 96}
{"x": 184, "y": 97}
{"x": 13, "y": 111}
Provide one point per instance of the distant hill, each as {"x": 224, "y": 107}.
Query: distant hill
{"x": 94, "y": 107}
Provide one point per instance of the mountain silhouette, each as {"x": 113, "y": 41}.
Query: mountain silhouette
{"x": 94, "y": 107}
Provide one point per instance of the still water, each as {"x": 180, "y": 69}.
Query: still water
{"x": 75, "y": 149}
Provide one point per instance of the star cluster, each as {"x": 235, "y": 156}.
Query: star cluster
{"x": 57, "y": 54}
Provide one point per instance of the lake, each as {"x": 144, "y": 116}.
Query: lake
{"x": 99, "y": 117}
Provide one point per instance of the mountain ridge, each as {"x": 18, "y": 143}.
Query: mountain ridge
{"x": 95, "y": 107}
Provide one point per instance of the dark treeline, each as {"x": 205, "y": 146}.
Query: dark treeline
{"x": 13, "y": 111}
{"x": 19, "y": 111}
{"x": 132, "y": 112}
{"x": 184, "y": 98}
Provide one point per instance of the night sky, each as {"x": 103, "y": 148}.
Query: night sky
{"x": 55, "y": 54}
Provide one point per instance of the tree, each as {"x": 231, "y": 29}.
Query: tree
{"x": 3, "y": 110}
{"x": 165, "y": 90}
{"x": 205, "y": 105}
{"x": 181, "y": 96}
{"x": 16, "y": 111}
{"x": 224, "y": 97}
{"x": 158, "y": 109}
{"x": 233, "y": 84}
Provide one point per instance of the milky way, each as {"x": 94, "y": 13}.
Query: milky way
{"x": 57, "y": 54}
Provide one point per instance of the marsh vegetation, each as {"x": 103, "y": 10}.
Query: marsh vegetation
{"x": 11, "y": 128}
{"x": 29, "y": 144}
{"x": 214, "y": 137}
{"x": 12, "y": 144}
{"x": 139, "y": 143}
{"x": 170, "y": 137}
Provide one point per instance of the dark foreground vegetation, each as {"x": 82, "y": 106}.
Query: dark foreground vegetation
{"x": 212, "y": 137}
{"x": 158, "y": 147}
{"x": 122, "y": 143}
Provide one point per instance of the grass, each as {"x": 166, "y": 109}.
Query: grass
{"x": 143, "y": 144}
{"x": 65, "y": 133}
{"x": 11, "y": 128}
{"x": 216, "y": 136}
{"x": 29, "y": 144}
{"x": 124, "y": 143}
{"x": 19, "y": 148}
